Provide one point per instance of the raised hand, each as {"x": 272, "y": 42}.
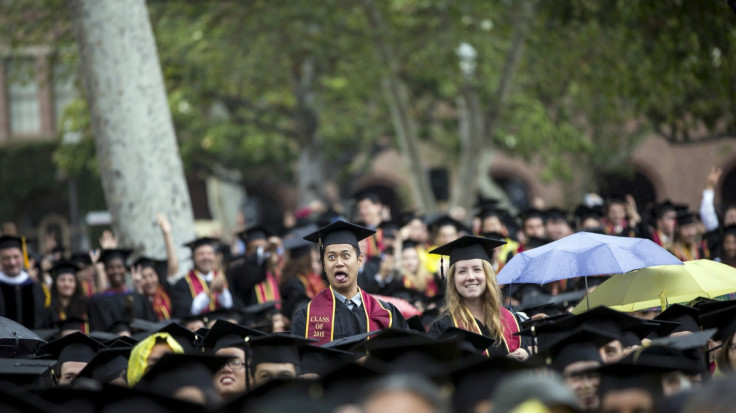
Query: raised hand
{"x": 108, "y": 241}
{"x": 163, "y": 223}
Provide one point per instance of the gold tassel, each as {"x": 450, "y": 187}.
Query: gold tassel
{"x": 26, "y": 263}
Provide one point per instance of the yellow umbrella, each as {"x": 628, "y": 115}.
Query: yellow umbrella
{"x": 662, "y": 285}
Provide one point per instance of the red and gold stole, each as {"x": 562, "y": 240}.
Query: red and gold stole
{"x": 268, "y": 290}
{"x": 374, "y": 244}
{"x": 313, "y": 284}
{"x": 83, "y": 326}
{"x": 430, "y": 290}
{"x": 161, "y": 304}
{"x": 321, "y": 315}
{"x": 87, "y": 288}
{"x": 198, "y": 285}
{"x": 509, "y": 325}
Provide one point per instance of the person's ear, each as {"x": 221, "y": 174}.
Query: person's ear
{"x": 360, "y": 260}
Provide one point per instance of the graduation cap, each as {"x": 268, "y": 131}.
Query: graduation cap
{"x": 530, "y": 213}
{"x": 321, "y": 360}
{"x": 24, "y": 371}
{"x": 347, "y": 343}
{"x": 175, "y": 371}
{"x": 186, "y": 339}
{"x": 9, "y": 241}
{"x": 232, "y": 315}
{"x": 340, "y": 385}
{"x": 475, "y": 380}
{"x": 406, "y": 217}
{"x": 663, "y": 208}
{"x": 686, "y": 218}
{"x": 148, "y": 262}
{"x": 445, "y": 220}
{"x": 686, "y": 316}
{"x": 72, "y": 347}
{"x": 116, "y": 253}
{"x": 583, "y": 212}
{"x": 193, "y": 245}
{"x": 605, "y": 319}
{"x": 281, "y": 395}
{"x": 64, "y": 267}
{"x": 390, "y": 229}
{"x": 121, "y": 342}
{"x": 627, "y": 375}
{"x": 724, "y": 319}
{"x": 535, "y": 242}
{"x": 580, "y": 344}
{"x": 367, "y": 193}
{"x": 524, "y": 392}
{"x": 468, "y": 247}
{"x": 255, "y": 232}
{"x": 477, "y": 342}
{"x": 298, "y": 246}
{"x": 277, "y": 348}
{"x": 106, "y": 365}
{"x": 555, "y": 214}
{"x": 339, "y": 232}
{"x": 391, "y": 344}
{"x": 82, "y": 259}
{"x": 682, "y": 353}
{"x": 224, "y": 334}
{"x": 118, "y": 399}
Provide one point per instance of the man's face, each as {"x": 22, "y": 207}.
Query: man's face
{"x": 266, "y": 372}
{"x": 370, "y": 212}
{"x": 341, "y": 265}
{"x": 417, "y": 231}
{"x": 667, "y": 223}
{"x": 583, "y": 381}
{"x": 115, "y": 270}
{"x": 69, "y": 371}
{"x": 627, "y": 401}
{"x": 11, "y": 261}
{"x": 492, "y": 224}
{"x": 534, "y": 227}
{"x": 557, "y": 229}
{"x": 446, "y": 234}
{"x": 612, "y": 352}
{"x": 616, "y": 213}
{"x": 230, "y": 379}
{"x": 204, "y": 258}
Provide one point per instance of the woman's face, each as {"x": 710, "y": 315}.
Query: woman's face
{"x": 115, "y": 270}
{"x": 729, "y": 246}
{"x": 66, "y": 284}
{"x": 410, "y": 260}
{"x": 150, "y": 281}
{"x": 316, "y": 263}
{"x": 470, "y": 279}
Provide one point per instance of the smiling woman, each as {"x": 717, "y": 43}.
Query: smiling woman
{"x": 473, "y": 299}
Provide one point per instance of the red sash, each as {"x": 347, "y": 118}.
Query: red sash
{"x": 268, "y": 290}
{"x": 321, "y": 315}
{"x": 374, "y": 245}
{"x": 509, "y": 325}
{"x": 313, "y": 284}
{"x": 83, "y": 326}
{"x": 161, "y": 304}
{"x": 198, "y": 285}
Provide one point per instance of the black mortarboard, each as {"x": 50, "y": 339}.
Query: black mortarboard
{"x": 255, "y": 232}
{"x": 724, "y": 319}
{"x": 604, "y": 319}
{"x": 478, "y": 342}
{"x": 118, "y": 399}
{"x": 72, "y": 347}
{"x": 369, "y": 194}
{"x": 121, "y": 342}
{"x": 259, "y": 316}
{"x": 664, "y": 328}
{"x": 64, "y": 267}
{"x": 475, "y": 381}
{"x": 24, "y": 371}
{"x": 9, "y": 241}
{"x": 107, "y": 365}
{"x": 277, "y": 348}
{"x": 174, "y": 371}
{"x": 321, "y": 360}
{"x": 347, "y": 343}
{"x": 632, "y": 335}
{"x": 341, "y": 384}
{"x": 407, "y": 217}
{"x": 468, "y": 247}
{"x": 675, "y": 353}
{"x": 626, "y": 375}
{"x": 224, "y": 334}
{"x": 187, "y": 339}
{"x": 339, "y": 232}
{"x": 664, "y": 207}
{"x": 193, "y": 245}
{"x": 298, "y": 246}
{"x": 82, "y": 259}
{"x": 531, "y": 213}
{"x": 488, "y": 211}
{"x": 686, "y": 218}
{"x": 445, "y": 220}
{"x": 407, "y": 244}
{"x": 111, "y": 254}
{"x": 280, "y": 395}
{"x": 583, "y": 212}
{"x": 232, "y": 315}
{"x": 686, "y": 316}
{"x": 555, "y": 214}
{"x": 580, "y": 344}
{"x": 391, "y": 344}
{"x": 146, "y": 262}
{"x": 534, "y": 242}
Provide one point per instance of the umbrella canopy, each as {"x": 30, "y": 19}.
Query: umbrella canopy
{"x": 582, "y": 254}
{"x": 405, "y": 308}
{"x": 16, "y": 340}
{"x": 663, "y": 285}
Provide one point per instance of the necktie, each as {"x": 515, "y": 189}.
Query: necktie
{"x": 350, "y": 304}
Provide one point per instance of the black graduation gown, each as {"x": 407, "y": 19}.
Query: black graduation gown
{"x": 25, "y": 304}
{"x": 243, "y": 277}
{"x": 347, "y": 322}
{"x": 293, "y": 296}
{"x": 444, "y": 322}
{"x": 114, "y": 312}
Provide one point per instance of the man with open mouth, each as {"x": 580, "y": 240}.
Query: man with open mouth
{"x": 343, "y": 309}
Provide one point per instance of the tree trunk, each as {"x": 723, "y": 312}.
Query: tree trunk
{"x": 310, "y": 175}
{"x": 476, "y": 126}
{"x": 397, "y": 95}
{"x": 142, "y": 173}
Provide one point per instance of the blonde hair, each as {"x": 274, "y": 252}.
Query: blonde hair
{"x": 455, "y": 307}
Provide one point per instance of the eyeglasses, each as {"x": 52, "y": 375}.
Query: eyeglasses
{"x": 235, "y": 364}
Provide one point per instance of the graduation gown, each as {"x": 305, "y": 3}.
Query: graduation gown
{"x": 444, "y": 322}
{"x": 243, "y": 277}
{"x": 24, "y": 303}
{"x": 113, "y": 312}
{"x": 347, "y": 322}
{"x": 297, "y": 291}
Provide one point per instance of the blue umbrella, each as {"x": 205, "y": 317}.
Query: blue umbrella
{"x": 582, "y": 254}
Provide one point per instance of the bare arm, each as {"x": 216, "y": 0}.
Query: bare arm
{"x": 172, "y": 261}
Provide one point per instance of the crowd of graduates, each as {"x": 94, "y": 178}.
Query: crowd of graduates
{"x": 376, "y": 310}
